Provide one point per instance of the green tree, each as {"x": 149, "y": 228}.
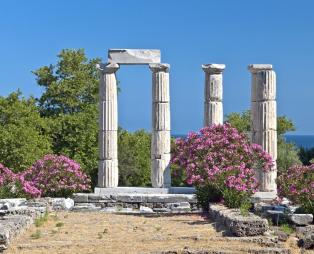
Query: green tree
{"x": 287, "y": 153}
{"x": 70, "y": 103}
{"x": 240, "y": 121}
{"x": 134, "y": 158}
{"x": 23, "y": 133}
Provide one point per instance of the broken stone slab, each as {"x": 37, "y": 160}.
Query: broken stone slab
{"x": 145, "y": 209}
{"x": 13, "y": 202}
{"x": 301, "y": 219}
{"x": 62, "y": 203}
{"x": 134, "y": 56}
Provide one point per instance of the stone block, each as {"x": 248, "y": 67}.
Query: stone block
{"x": 80, "y": 197}
{"x": 108, "y": 120}
{"x": 301, "y": 219}
{"x": 306, "y": 237}
{"x": 134, "y": 56}
{"x": 264, "y": 116}
{"x": 160, "y": 172}
{"x": 108, "y": 173}
{"x": 108, "y": 87}
{"x": 160, "y": 143}
{"x": 145, "y": 209}
{"x": 267, "y": 180}
{"x": 213, "y": 68}
{"x": 237, "y": 224}
{"x": 213, "y": 87}
{"x": 160, "y": 89}
{"x": 268, "y": 141}
{"x": 161, "y": 116}
{"x": 108, "y": 142}
{"x": 101, "y": 193}
{"x": 62, "y": 203}
{"x": 213, "y": 113}
{"x": 263, "y": 86}
{"x": 13, "y": 202}
{"x": 264, "y": 196}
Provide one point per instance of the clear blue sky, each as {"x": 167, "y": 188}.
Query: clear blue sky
{"x": 188, "y": 33}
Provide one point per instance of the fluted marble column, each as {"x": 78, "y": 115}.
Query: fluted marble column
{"x": 213, "y": 108}
{"x": 264, "y": 118}
{"x": 160, "y": 144}
{"x": 108, "y": 174}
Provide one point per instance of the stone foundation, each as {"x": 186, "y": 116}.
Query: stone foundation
{"x": 238, "y": 225}
{"x": 133, "y": 200}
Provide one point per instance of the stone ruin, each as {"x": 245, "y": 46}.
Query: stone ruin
{"x": 263, "y": 115}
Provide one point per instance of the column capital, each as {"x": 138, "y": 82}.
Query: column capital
{"x": 158, "y": 67}
{"x": 213, "y": 68}
{"x": 108, "y": 68}
{"x": 254, "y": 68}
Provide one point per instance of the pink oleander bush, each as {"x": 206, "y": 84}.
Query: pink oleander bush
{"x": 14, "y": 185}
{"x": 297, "y": 184}
{"x": 57, "y": 176}
{"x": 220, "y": 160}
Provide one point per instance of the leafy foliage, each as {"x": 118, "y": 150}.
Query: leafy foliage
{"x": 23, "y": 133}
{"x": 306, "y": 155}
{"x": 287, "y": 152}
{"x": 14, "y": 185}
{"x": 57, "y": 176}
{"x": 297, "y": 184}
{"x": 287, "y": 156}
{"x": 70, "y": 85}
{"x": 70, "y": 103}
{"x": 222, "y": 157}
{"x": 240, "y": 121}
{"x": 134, "y": 158}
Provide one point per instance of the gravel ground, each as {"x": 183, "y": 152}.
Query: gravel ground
{"x": 96, "y": 232}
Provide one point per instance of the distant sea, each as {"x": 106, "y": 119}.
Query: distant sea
{"x": 305, "y": 141}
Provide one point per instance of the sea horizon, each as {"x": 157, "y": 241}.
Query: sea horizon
{"x": 300, "y": 140}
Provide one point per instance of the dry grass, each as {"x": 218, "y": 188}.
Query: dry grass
{"x": 114, "y": 233}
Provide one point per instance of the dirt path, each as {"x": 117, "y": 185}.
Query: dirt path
{"x": 113, "y": 233}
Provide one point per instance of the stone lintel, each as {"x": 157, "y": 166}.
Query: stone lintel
{"x": 108, "y": 68}
{"x": 254, "y": 68}
{"x": 134, "y": 56}
{"x": 157, "y": 67}
{"x": 213, "y": 68}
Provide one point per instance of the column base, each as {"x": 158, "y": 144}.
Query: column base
{"x": 263, "y": 196}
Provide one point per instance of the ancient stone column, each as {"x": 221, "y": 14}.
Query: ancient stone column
{"x": 264, "y": 119}
{"x": 108, "y": 126}
{"x": 213, "y": 109}
{"x": 160, "y": 144}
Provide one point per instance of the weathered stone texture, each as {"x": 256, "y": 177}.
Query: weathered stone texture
{"x": 108, "y": 119}
{"x": 108, "y": 126}
{"x": 161, "y": 116}
{"x": 134, "y": 56}
{"x": 108, "y": 174}
{"x": 160, "y": 143}
{"x": 268, "y": 140}
{"x": 213, "y": 113}
{"x": 237, "y": 224}
{"x": 109, "y": 142}
{"x": 264, "y": 118}
{"x": 213, "y": 91}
